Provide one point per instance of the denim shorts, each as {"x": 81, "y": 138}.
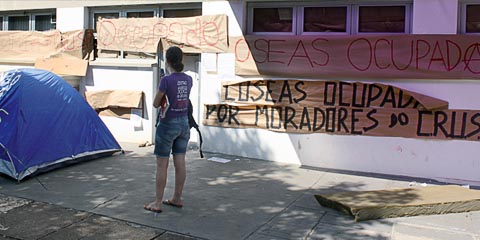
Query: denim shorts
{"x": 172, "y": 136}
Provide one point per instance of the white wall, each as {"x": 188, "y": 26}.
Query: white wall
{"x": 435, "y": 16}
{"x": 126, "y": 78}
{"x": 72, "y": 18}
{"x": 452, "y": 161}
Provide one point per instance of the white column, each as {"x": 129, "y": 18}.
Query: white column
{"x": 74, "y": 18}
{"x": 435, "y": 16}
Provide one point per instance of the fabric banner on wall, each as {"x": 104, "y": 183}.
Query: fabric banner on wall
{"x": 29, "y": 46}
{"x": 401, "y": 56}
{"x": 193, "y": 34}
{"x": 389, "y": 122}
{"x": 338, "y": 107}
{"x": 328, "y": 93}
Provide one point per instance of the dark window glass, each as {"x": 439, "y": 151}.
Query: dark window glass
{"x": 140, "y": 14}
{"x": 97, "y": 16}
{"x": 1, "y": 23}
{"x": 381, "y": 19}
{"x": 272, "y": 19}
{"x": 325, "y": 19}
{"x": 44, "y": 23}
{"x": 176, "y": 13}
{"x": 473, "y": 19}
{"x": 18, "y": 23}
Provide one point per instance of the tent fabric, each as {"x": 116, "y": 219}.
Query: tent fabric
{"x": 44, "y": 121}
{"x": 366, "y": 205}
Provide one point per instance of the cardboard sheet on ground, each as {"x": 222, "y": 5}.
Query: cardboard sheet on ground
{"x": 366, "y": 205}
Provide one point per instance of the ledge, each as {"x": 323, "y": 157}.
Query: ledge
{"x": 106, "y": 62}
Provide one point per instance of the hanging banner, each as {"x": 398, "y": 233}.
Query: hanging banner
{"x": 193, "y": 34}
{"x": 388, "y": 122}
{"x": 328, "y": 93}
{"x": 399, "y": 56}
{"x": 29, "y": 46}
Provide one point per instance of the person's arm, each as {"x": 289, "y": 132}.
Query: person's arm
{"x": 158, "y": 99}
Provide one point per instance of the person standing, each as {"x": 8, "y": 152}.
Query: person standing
{"x": 173, "y": 131}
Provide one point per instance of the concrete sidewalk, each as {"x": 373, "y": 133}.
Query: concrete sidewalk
{"x": 241, "y": 199}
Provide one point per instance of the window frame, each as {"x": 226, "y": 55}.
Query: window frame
{"x": 7, "y": 20}
{"x": 162, "y": 10}
{"x": 122, "y": 13}
{"x": 34, "y": 15}
{"x": 301, "y": 18}
{"x": 31, "y": 18}
{"x": 352, "y": 16}
{"x": 356, "y": 15}
{"x": 276, "y": 5}
{"x": 462, "y": 17}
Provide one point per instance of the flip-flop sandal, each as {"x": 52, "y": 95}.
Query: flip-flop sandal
{"x": 155, "y": 210}
{"x": 170, "y": 203}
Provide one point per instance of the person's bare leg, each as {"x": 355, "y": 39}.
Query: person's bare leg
{"x": 160, "y": 183}
{"x": 180, "y": 176}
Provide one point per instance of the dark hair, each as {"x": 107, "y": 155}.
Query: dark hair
{"x": 174, "y": 58}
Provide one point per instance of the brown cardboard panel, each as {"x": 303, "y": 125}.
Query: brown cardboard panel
{"x": 366, "y": 205}
{"x": 379, "y": 56}
{"x": 101, "y": 99}
{"x": 63, "y": 65}
{"x": 326, "y": 92}
{"x": 451, "y": 124}
{"x": 193, "y": 34}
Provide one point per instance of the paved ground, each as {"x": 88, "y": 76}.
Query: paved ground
{"x": 241, "y": 199}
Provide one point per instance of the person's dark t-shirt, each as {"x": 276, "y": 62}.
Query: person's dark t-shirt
{"x": 176, "y": 87}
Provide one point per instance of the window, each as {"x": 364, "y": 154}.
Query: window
{"x": 105, "y": 15}
{"x": 273, "y": 20}
{"x": 19, "y": 23}
{"x": 305, "y": 19}
{"x": 389, "y": 19}
{"x": 325, "y": 19}
{"x": 176, "y": 13}
{"x": 136, "y": 12}
{"x": 145, "y": 14}
{"x": 470, "y": 18}
{"x": 45, "y": 22}
{"x": 28, "y": 21}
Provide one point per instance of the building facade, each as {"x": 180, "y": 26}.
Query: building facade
{"x": 451, "y": 160}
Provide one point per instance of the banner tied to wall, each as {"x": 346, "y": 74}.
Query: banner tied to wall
{"x": 29, "y": 46}
{"x": 206, "y": 34}
{"x": 337, "y": 107}
{"x": 400, "y": 56}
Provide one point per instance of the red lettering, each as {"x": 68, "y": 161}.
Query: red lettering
{"x": 393, "y": 58}
{"x": 243, "y": 46}
{"x": 327, "y": 56}
{"x": 360, "y": 54}
{"x": 418, "y": 57}
{"x": 449, "y": 55}
{"x": 375, "y": 53}
{"x": 441, "y": 58}
{"x": 270, "y": 51}
{"x": 474, "y": 48}
{"x": 300, "y": 44}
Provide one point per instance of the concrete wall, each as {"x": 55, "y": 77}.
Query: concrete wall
{"x": 137, "y": 129}
{"x": 451, "y": 161}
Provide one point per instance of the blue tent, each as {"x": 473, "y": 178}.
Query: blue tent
{"x": 45, "y": 123}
